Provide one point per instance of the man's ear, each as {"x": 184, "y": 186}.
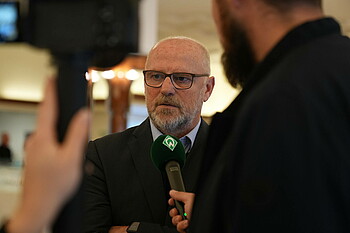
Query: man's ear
{"x": 209, "y": 88}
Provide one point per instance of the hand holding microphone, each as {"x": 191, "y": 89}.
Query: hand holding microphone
{"x": 187, "y": 199}
{"x": 168, "y": 154}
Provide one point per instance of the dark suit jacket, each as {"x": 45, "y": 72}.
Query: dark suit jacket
{"x": 5, "y": 154}
{"x": 278, "y": 159}
{"x": 125, "y": 186}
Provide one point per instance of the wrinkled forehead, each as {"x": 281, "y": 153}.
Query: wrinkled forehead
{"x": 178, "y": 57}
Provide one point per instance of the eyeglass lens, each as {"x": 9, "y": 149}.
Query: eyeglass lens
{"x": 179, "y": 80}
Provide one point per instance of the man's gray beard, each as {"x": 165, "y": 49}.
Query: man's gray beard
{"x": 172, "y": 126}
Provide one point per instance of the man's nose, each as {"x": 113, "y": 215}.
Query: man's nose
{"x": 167, "y": 88}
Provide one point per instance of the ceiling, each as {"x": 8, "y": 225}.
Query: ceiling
{"x": 23, "y": 69}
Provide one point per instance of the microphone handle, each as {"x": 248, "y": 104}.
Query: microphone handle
{"x": 173, "y": 171}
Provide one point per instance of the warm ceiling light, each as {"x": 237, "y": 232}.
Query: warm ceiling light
{"x": 108, "y": 74}
{"x": 94, "y": 76}
{"x": 132, "y": 74}
{"x": 120, "y": 74}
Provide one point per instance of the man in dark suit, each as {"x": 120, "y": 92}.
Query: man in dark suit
{"x": 125, "y": 188}
{"x": 278, "y": 158}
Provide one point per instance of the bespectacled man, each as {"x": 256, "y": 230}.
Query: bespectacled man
{"x": 126, "y": 189}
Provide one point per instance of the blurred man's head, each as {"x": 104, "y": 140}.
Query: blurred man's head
{"x": 5, "y": 138}
{"x": 236, "y": 21}
{"x": 174, "y": 103}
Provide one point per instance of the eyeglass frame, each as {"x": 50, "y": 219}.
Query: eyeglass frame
{"x": 171, "y": 78}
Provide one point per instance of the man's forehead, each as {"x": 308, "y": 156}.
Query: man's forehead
{"x": 174, "y": 61}
{"x": 168, "y": 49}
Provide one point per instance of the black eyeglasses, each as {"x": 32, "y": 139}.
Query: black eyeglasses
{"x": 180, "y": 81}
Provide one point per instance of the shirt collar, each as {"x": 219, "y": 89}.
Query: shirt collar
{"x": 191, "y": 135}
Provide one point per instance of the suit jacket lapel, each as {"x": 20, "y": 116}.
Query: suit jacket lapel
{"x": 149, "y": 175}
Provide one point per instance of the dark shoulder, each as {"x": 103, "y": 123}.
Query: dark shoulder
{"x": 312, "y": 67}
{"x": 317, "y": 60}
{"x": 116, "y": 136}
{"x": 124, "y": 136}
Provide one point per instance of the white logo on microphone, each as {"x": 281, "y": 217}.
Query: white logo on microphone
{"x": 170, "y": 142}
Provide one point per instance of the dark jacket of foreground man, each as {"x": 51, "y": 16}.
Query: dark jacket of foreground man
{"x": 278, "y": 159}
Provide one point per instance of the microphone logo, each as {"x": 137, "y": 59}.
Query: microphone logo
{"x": 170, "y": 142}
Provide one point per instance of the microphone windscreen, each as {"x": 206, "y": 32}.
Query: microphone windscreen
{"x": 167, "y": 148}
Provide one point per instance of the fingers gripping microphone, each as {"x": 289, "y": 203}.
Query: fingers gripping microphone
{"x": 168, "y": 153}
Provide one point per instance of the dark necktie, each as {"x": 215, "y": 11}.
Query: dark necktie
{"x": 186, "y": 142}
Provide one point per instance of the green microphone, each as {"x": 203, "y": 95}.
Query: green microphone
{"x": 168, "y": 154}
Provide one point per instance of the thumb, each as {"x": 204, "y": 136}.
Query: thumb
{"x": 179, "y": 196}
